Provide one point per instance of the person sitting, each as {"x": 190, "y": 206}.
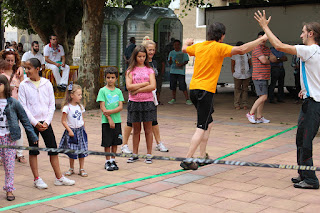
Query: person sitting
{"x": 56, "y": 61}
{"x": 33, "y": 53}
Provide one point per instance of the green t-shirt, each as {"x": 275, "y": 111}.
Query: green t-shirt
{"x": 111, "y": 98}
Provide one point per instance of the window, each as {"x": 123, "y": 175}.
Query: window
{"x": 201, "y": 17}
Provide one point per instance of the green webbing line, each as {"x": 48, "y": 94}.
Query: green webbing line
{"x": 134, "y": 180}
{"x": 256, "y": 143}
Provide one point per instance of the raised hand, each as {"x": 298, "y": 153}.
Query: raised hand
{"x": 261, "y": 18}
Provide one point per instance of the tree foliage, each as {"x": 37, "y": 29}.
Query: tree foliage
{"x": 46, "y": 17}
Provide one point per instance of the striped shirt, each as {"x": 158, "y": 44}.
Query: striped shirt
{"x": 260, "y": 71}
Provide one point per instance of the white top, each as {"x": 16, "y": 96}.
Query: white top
{"x": 4, "y": 128}
{"x": 27, "y": 55}
{"x": 241, "y": 67}
{"x": 39, "y": 103}
{"x": 310, "y": 70}
{"x": 54, "y": 54}
{"x": 74, "y": 118}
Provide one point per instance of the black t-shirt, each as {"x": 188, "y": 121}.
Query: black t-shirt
{"x": 154, "y": 65}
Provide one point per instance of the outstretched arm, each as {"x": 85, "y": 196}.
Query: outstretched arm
{"x": 263, "y": 22}
{"x": 247, "y": 47}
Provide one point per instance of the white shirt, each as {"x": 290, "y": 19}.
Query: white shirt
{"x": 39, "y": 103}
{"x": 241, "y": 67}
{"x": 4, "y": 128}
{"x": 310, "y": 70}
{"x": 74, "y": 118}
{"x": 27, "y": 55}
{"x": 54, "y": 55}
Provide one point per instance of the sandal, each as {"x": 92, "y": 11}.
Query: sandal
{"x": 69, "y": 172}
{"x": 10, "y": 197}
{"x": 22, "y": 159}
{"x": 83, "y": 173}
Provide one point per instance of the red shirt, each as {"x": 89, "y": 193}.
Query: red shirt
{"x": 260, "y": 71}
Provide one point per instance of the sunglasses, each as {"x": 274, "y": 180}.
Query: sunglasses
{"x": 10, "y": 49}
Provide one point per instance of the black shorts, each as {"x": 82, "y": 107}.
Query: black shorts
{"x": 174, "y": 78}
{"x": 111, "y": 137}
{"x": 49, "y": 140}
{"x": 203, "y": 101}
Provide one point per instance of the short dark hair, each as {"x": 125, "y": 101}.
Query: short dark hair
{"x": 51, "y": 36}
{"x": 7, "y": 90}
{"x": 177, "y": 41}
{"x": 216, "y": 31}
{"x": 261, "y": 33}
{"x": 20, "y": 44}
{"x": 239, "y": 43}
{"x": 34, "y": 42}
{"x": 112, "y": 70}
{"x": 132, "y": 39}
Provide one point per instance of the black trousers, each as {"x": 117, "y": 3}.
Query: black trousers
{"x": 308, "y": 125}
{"x": 277, "y": 75}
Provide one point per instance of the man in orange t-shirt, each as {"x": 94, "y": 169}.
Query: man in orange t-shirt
{"x": 209, "y": 57}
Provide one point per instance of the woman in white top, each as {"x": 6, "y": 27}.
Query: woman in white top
{"x": 240, "y": 68}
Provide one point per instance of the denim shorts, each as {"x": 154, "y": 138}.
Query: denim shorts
{"x": 261, "y": 87}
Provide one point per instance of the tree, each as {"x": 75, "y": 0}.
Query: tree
{"x": 47, "y": 17}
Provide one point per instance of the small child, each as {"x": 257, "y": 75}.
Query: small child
{"x": 178, "y": 60}
{"x": 140, "y": 81}
{"x": 11, "y": 112}
{"x": 110, "y": 99}
{"x": 37, "y": 98}
{"x": 75, "y": 136}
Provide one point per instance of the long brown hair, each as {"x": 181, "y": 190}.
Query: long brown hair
{"x": 67, "y": 98}
{"x": 315, "y": 28}
{"x": 133, "y": 59}
{"x": 3, "y": 55}
{"x": 5, "y": 82}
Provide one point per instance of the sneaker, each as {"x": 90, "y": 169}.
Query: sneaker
{"x": 262, "y": 120}
{"x": 108, "y": 166}
{"x": 64, "y": 181}
{"x": 40, "y": 184}
{"x": 125, "y": 149}
{"x": 132, "y": 159}
{"x": 148, "y": 160}
{"x": 251, "y": 118}
{"x": 114, "y": 166}
{"x": 189, "y": 165}
{"x": 296, "y": 179}
{"x": 188, "y": 102}
{"x": 304, "y": 185}
{"x": 160, "y": 147}
{"x": 172, "y": 101}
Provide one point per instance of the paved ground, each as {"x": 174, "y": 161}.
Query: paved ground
{"x": 213, "y": 188}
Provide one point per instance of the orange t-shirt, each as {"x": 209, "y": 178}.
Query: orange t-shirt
{"x": 208, "y": 62}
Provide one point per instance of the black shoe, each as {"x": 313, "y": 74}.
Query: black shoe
{"x": 296, "y": 179}
{"x": 189, "y": 165}
{"x": 281, "y": 101}
{"x": 304, "y": 185}
{"x": 272, "y": 102}
{"x": 114, "y": 165}
{"x": 108, "y": 166}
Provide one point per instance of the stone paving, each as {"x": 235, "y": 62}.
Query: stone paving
{"x": 213, "y": 188}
